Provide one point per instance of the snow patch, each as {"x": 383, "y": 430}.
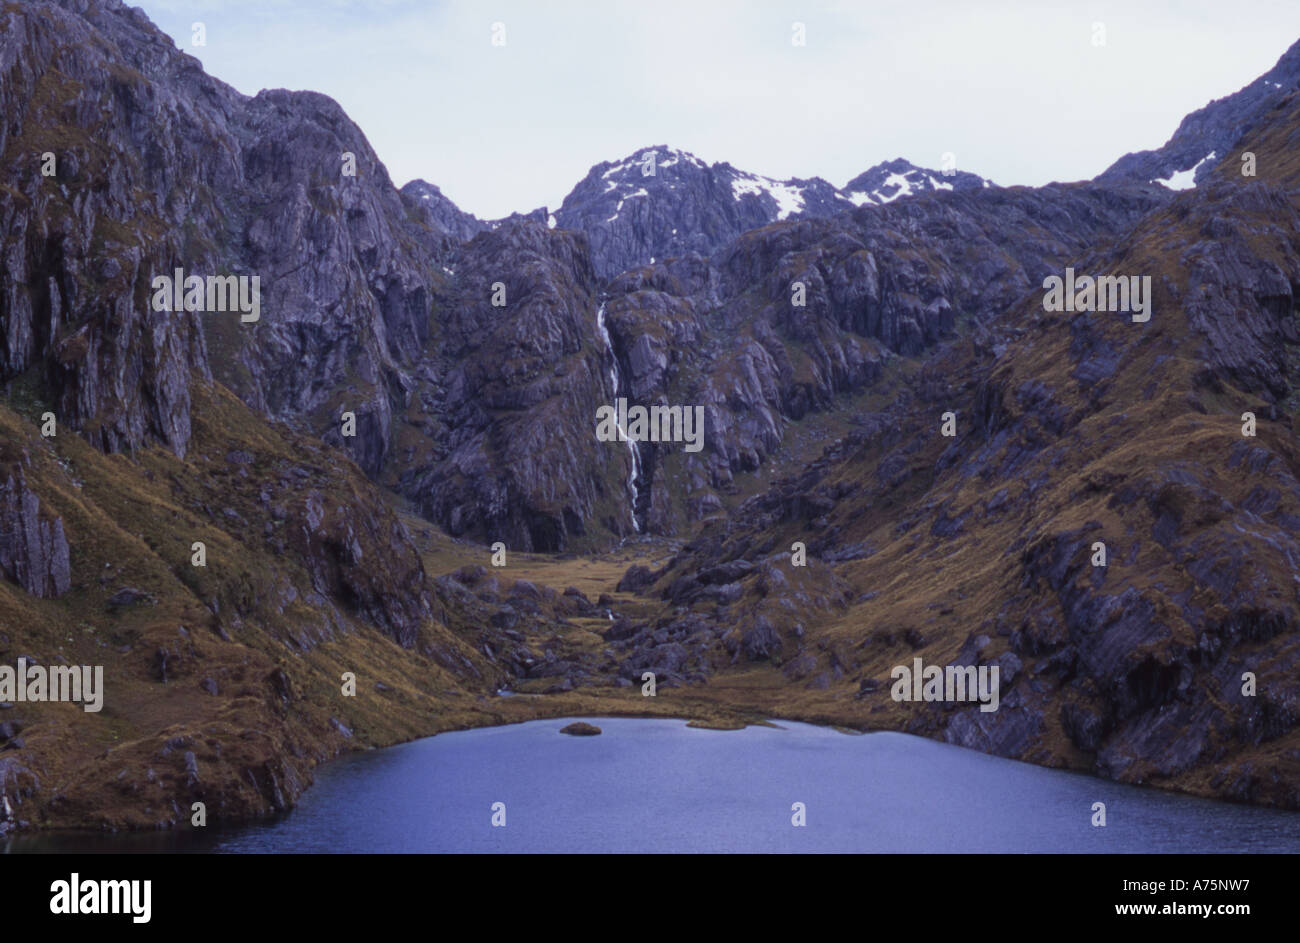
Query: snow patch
{"x": 616, "y": 168}
{"x": 1184, "y": 179}
{"x": 789, "y": 199}
{"x": 894, "y": 180}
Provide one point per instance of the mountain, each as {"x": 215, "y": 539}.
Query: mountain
{"x": 660, "y": 202}
{"x": 898, "y": 178}
{"x": 205, "y": 525}
{"x": 172, "y": 442}
{"x": 883, "y": 283}
{"x": 175, "y": 170}
{"x": 495, "y": 440}
{"x": 1172, "y": 661}
{"x": 439, "y": 213}
{"x": 1209, "y": 134}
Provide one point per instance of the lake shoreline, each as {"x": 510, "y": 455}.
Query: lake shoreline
{"x": 553, "y": 709}
{"x": 678, "y": 785}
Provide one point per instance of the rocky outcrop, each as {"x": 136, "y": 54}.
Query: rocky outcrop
{"x": 440, "y": 213}
{"x": 79, "y": 242}
{"x": 159, "y": 167}
{"x": 500, "y": 441}
{"x": 33, "y": 548}
{"x": 1210, "y": 135}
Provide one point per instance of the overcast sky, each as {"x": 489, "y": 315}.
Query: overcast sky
{"x": 1018, "y": 91}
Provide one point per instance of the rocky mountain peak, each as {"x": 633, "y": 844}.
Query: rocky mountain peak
{"x": 890, "y": 180}
{"x": 663, "y": 201}
{"x": 438, "y": 212}
{"x": 1209, "y": 134}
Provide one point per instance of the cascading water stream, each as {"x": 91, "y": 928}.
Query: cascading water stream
{"x": 633, "y": 447}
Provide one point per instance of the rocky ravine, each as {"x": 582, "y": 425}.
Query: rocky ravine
{"x": 226, "y": 681}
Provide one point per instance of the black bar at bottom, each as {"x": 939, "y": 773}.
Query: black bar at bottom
{"x": 339, "y": 892}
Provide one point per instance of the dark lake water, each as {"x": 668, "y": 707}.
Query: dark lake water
{"x": 660, "y": 786}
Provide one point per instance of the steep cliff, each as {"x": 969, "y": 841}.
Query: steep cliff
{"x": 271, "y": 525}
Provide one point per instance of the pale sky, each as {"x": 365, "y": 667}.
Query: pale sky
{"x": 1016, "y": 90}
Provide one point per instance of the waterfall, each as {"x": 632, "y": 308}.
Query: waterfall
{"x": 633, "y": 447}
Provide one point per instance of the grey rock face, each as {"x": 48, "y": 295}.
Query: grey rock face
{"x": 80, "y": 247}
{"x": 160, "y": 167}
{"x": 441, "y": 213}
{"x": 1244, "y": 304}
{"x": 373, "y": 305}
{"x": 509, "y": 397}
{"x": 1210, "y": 134}
{"x": 725, "y": 333}
{"x": 33, "y": 549}
{"x": 761, "y": 640}
{"x": 1008, "y": 731}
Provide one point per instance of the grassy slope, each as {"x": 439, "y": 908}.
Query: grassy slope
{"x": 130, "y": 521}
{"x": 1156, "y": 419}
